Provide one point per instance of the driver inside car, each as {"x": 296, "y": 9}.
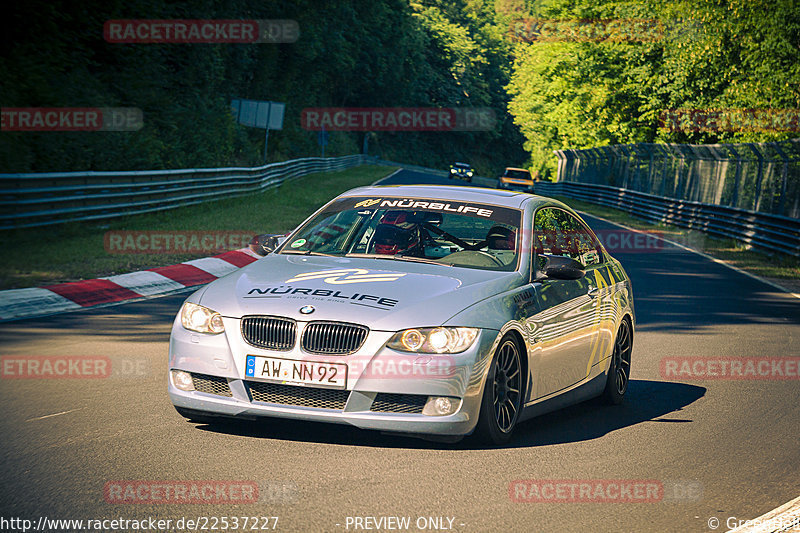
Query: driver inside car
{"x": 398, "y": 233}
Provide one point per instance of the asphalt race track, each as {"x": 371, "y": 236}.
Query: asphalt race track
{"x": 720, "y": 447}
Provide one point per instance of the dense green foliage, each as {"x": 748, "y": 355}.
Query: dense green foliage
{"x": 548, "y": 94}
{"x": 709, "y": 54}
{"x": 354, "y": 53}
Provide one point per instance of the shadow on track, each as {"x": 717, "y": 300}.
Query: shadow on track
{"x": 646, "y": 401}
{"x": 677, "y": 291}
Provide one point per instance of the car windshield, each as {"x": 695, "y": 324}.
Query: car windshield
{"x": 410, "y": 229}
{"x": 518, "y": 174}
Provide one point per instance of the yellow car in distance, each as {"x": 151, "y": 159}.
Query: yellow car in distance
{"x": 518, "y": 179}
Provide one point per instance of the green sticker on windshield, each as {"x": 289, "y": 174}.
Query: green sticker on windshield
{"x": 298, "y": 243}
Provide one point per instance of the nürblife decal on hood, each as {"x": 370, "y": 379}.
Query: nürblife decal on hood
{"x": 290, "y": 292}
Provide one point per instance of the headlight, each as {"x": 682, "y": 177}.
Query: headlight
{"x": 452, "y": 171}
{"x": 433, "y": 340}
{"x": 201, "y": 319}
{"x": 469, "y": 173}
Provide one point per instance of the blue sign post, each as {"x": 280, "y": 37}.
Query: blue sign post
{"x": 322, "y": 139}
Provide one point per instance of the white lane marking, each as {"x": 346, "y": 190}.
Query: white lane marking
{"x": 54, "y": 414}
{"x": 783, "y": 518}
{"x": 23, "y": 302}
{"x": 145, "y": 283}
{"x": 714, "y": 259}
{"x": 387, "y": 177}
{"x": 213, "y": 265}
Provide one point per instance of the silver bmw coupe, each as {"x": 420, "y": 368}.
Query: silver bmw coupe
{"x": 433, "y": 311}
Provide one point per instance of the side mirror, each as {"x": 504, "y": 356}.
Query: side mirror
{"x": 264, "y": 244}
{"x": 559, "y": 267}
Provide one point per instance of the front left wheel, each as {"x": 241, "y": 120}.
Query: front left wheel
{"x": 502, "y": 394}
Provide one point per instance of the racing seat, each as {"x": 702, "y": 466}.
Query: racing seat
{"x": 501, "y": 238}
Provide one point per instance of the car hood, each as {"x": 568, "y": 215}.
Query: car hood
{"x": 384, "y": 294}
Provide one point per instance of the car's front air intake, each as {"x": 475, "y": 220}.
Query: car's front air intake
{"x": 211, "y": 385}
{"x": 294, "y": 395}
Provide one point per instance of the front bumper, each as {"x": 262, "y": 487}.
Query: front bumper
{"x": 223, "y": 359}
{"x": 356, "y": 412}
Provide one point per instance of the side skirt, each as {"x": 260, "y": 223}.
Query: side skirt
{"x": 585, "y": 391}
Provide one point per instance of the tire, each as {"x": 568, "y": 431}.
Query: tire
{"x": 502, "y": 394}
{"x": 619, "y": 372}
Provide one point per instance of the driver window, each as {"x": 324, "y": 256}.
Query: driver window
{"x": 556, "y": 232}
{"x": 547, "y": 232}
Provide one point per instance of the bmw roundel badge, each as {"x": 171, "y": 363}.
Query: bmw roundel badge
{"x": 307, "y": 309}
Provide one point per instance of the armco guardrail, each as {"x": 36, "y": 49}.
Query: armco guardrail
{"x": 773, "y": 233}
{"x": 42, "y": 199}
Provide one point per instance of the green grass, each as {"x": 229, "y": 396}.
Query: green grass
{"x": 70, "y": 252}
{"x": 776, "y": 267}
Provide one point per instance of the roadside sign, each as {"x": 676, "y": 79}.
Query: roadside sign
{"x": 259, "y": 114}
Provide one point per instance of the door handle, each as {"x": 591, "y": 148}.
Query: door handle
{"x": 593, "y": 292}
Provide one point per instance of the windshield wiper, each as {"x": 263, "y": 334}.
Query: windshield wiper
{"x": 422, "y": 260}
{"x": 307, "y": 252}
{"x": 408, "y": 258}
{"x": 369, "y": 256}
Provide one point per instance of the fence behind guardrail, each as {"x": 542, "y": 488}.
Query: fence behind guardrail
{"x": 762, "y": 177}
{"x": 749, "y": 192}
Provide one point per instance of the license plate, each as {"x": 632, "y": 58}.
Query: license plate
{"x": 294, "y": 372}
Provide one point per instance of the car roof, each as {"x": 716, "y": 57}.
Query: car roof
{"x": 461, "y": 164}
{"x": 503, "y": 198}
{"x": 517, "y": 168}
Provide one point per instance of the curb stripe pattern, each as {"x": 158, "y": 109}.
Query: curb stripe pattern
{"x": 38, "y": 301}
{"x": 91, "y": 292}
